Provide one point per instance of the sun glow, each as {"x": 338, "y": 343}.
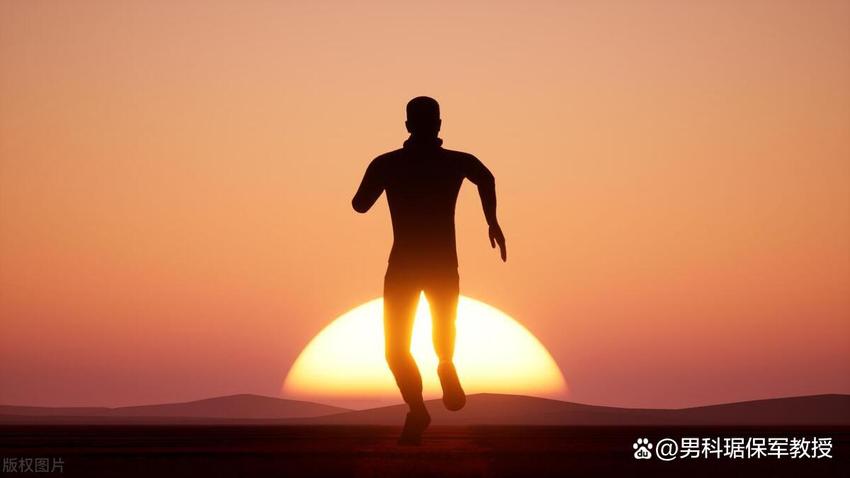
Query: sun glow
{"x": 344, "y": 364}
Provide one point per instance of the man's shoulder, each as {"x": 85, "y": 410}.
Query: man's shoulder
{"x": 462, "y": 159}
{"x": 384, "y": 158}
{"x": 460, "y": 156}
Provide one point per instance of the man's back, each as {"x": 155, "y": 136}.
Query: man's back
{"x": 422, "y": 182}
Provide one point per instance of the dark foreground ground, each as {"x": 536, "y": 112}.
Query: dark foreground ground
{"x": 362, "y": 451}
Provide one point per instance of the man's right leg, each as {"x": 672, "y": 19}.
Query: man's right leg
{"x": 401, "y": 296}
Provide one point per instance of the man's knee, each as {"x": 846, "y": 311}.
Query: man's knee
{"x": 397, "y": 358}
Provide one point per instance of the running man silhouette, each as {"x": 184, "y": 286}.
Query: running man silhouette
{"x": 422, "y": 181}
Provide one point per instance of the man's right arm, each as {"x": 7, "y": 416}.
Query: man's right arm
{"x": 370, "y": 188}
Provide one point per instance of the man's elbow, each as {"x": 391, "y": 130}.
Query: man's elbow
{"x": 487, "y": 181}
{"x": 359, "y": 206}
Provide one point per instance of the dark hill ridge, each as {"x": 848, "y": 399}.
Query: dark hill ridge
{"x": 242, "y": 406}
{"x": 481, "y": 409}
{"x": 495, "y": 409}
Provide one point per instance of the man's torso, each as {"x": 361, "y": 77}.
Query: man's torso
{"x": 422, "y": 186}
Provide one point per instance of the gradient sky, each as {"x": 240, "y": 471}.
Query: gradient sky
{"x": 176, "y": 177}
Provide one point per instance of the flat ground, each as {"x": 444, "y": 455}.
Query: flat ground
{"x": 363, "y": 451}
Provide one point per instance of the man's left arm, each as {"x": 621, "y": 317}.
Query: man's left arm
{"x": 478, "y": 174}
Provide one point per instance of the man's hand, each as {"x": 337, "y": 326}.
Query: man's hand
{"x": 496, "y": 237}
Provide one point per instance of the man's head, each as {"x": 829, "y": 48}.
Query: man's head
{"x": 423, "y": 116}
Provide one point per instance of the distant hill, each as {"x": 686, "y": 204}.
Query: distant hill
{"x": 223, "y": 409}
{"x": 481, "y": 409}
{"x": 495, "y": 409}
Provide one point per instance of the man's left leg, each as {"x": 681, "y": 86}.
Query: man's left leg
{"x": 442, "y": 293}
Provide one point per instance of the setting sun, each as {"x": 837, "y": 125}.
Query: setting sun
{"x": 344, "y": 364}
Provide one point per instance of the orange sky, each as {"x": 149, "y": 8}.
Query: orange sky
{"x": 175, "y": 180}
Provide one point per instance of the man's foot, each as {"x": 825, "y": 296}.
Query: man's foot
{"x": 414, "y": 424}
{"x": 453, "y": 397}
